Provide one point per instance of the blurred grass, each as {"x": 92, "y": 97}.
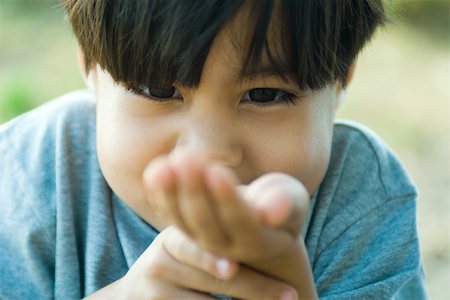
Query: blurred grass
{"x": 400, "y": 90}
{"x": 37, "y": 55}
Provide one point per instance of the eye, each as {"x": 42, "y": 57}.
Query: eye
{"x": 158, "y": 94}
{"x": 267, "y": 96}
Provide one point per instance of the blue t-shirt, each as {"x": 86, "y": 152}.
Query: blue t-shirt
{"x": 64, "y": 234}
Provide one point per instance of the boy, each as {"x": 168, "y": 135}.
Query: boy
{"x": 211, "y": 122}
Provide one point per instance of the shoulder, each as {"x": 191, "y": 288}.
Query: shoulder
{"x": 37, "y": 130}
{"x": 33, "y": 144}
{"x": 360, "y": 156}
{"x": 38, "y": 151}
{"x": 365, "y": 202}
{"x": 363, "y": 175}
{"x": 39, "y": 147}
{"x": 62, "y": 111}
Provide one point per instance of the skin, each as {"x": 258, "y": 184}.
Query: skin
{"x": 250, "y": 139}
{"x": 164, "y": 271}
{"x": 263, "y": 233}
{"x": 173, "y": 161}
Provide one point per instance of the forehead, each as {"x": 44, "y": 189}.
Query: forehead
{"x": 253, "y": 48}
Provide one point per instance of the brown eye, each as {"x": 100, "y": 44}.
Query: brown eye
{"x": 166, "y": 92}
{"x": 268, "y": 96}
{"x": 263, "y": 95}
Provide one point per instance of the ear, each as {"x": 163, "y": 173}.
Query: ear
{"x": 89, "y": 76}
{"x": 340, "y": 90}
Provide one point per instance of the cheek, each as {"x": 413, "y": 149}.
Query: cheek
{"x": 314, "y": 159}
{"x": 125, "y": 146}
{"x": 303, "y": 155}
{"x": 317, "y": 145}
{"x": 300, "y": 146}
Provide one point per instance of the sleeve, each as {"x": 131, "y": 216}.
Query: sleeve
{"x": 41, "y": 228}
{"x": 26, "y": 246}
{"x": 374, "y": 257}
{"x": 413, "y": 289}
{"x": 26, "y": 256}
{"x": 364, "y": 240}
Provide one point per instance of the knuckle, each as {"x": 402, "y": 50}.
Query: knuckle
{"x": 175, "y": 243}
{"x": 185, "y": 248}
{"x": 159, "y": 266}
{"x": 158, "y": 270}
{"x": 176, "y": 251}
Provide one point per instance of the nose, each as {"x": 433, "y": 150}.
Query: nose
{"x": 213, "y": 135}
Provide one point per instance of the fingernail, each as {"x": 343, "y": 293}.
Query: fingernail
{"x": 287, "y": 295}
{"x": 223, "y": 267}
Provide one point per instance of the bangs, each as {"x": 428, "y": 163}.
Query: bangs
{"x": 161, "y": 42}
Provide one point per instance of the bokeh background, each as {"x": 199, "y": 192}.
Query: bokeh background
{"x": 401, "y": 90}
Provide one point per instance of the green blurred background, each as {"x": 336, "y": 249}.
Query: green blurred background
{"x": 400, "y": 90}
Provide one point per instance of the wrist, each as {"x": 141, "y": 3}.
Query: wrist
{"x": 291, "y": 267}
{"x": 111, "y": 291}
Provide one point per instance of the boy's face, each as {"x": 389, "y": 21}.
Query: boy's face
{"x": 248, "y": 125}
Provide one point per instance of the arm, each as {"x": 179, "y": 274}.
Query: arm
{"x": 173, "y": 267}
{"x": 292, "y": 268}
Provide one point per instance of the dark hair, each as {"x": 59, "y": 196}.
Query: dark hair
{"x": 157, "y": 42}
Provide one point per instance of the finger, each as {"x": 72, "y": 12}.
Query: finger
{"x": 275, "y": 207}
{"x": 160, "y": 183}
{"x": 246, "y": 284}
{"x": 196, "y": 209}
{"x": 281, "y": 200}
{"x": 249, "y": 284}
{"x": 187, "y": 252}
{"x": 240, "y": 222}
{"x": 149, "y": 277}
{"x": 164, "y": 290}
{"x": 184, "y": 294}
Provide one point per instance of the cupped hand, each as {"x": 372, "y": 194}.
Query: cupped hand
{"x": 204, "y": 200}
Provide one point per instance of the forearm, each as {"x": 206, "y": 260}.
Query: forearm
{"x": 293, "y": 268}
